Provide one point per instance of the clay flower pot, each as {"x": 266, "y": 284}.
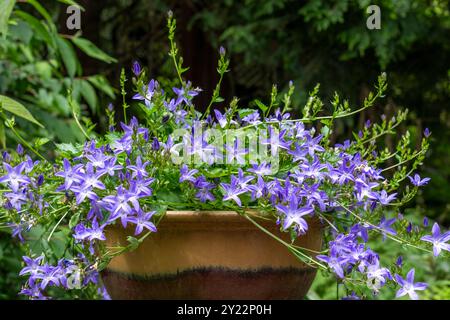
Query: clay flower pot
{"x": 210, "y": 255}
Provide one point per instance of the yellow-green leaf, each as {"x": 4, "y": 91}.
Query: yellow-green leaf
{"x": 2, "y": 136}
{"x": 68, "y": 55}
{"x": 6, "y": 7}
{"x": 92, "y": 50}
{"x": 17, "y": 109}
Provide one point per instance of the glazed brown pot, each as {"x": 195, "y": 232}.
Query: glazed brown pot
{"x": 210, "y": 255}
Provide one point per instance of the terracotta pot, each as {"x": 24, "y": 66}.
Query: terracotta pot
{"x": 210, "y": 255}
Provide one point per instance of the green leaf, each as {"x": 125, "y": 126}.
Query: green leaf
{"x": 88, "y": 93}
{"x": 38, "y": 27}
{"x": 245, "y": 112}
{"x": 39, "y": 142}
{"x": 17, "y": 109}
{"x": 68, "y": 55}
{"x": 261, "y": 105}
{"x": 92, "y": 50}
{"x": 43, "y": 12}
{"x": 74, "y": 220}
{"x": 102, "y": 84}
{"x": 68, "y": 148}
{"x": 72, "y": 3}
{"x": 6, "y": 7}
{"x": 2, "y": 136}
{"x": 133, "y": 243}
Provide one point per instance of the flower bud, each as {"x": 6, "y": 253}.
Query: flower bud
{"x": 137, "y": 68}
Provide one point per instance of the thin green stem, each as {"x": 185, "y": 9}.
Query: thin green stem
{"x": 56, "y": 226}
{"x": 381, "y": 231}
{"x": 404, "y": 161}
{"x": 26, "y": 144}
{"x": 79, "y": 125}
{"x": 289, "y": 246}
{"x": 215, "y": 96}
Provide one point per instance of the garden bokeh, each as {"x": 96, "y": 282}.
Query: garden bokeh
{"x": 56, "y": 73}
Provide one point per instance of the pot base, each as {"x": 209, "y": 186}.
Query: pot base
{"x": 212, "y": 284}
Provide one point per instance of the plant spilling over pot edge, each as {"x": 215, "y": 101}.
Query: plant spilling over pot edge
{"x": 260, "y": 160}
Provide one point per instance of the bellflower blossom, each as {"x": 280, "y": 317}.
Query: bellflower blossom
{"x": 149, "y": 92}
{"x": 408, "y": 287}
{"x": 438, "y": 240}
{"x": 417, "y": 181}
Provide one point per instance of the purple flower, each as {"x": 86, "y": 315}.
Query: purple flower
{"x": 171, "y": 106}
{"x": 155, "y": 144}
{"x": 149, "y": 93}
{"x": 142, "y": 220}
{"x": 137, "y": 68}
{"x": 110, "y": 167}
{"x": 123, "y": 145}
{"x": 33, "y": 292}
{"x": 236, "y": 152}
{"x": 17, "y": 199}
{"x": 70, "y": 174}
{"x": 49, "y": 276}
{"x": 409, "y": 227}
{"x": 344, "y": 146}
{"x": 185, "y": 94}
{"x": 40, "y": 180}
{"x": 262, "y": 170}
{"x": 364, "y": 190}
{"x": 243, "y": 180}
{"x": 82, "y": 233}
{"x": 139, "y": 168}
{"x": 408, "y": 287}
{"x": 312, "y": 145}
{"x": 277, "y": 142}
{"x": 335, "y": 263}
{"x": 313, "y": 170}
{"x": 377, "y": 276}
{"x": 222, "y": 119}
{"x": 33, "y": 266}
{"x": 232, "y": 190}
{"x": 438, "y": 240}
{"x": 97, "y": 159}
{"x": 426, "y": 132}
{"x": 180, "y": 116}
{"x": 14, "y": 177}
{"x": 417, "y": 181}
{"x": 353, "y": 296}
{"x": 252, "y": 118}
{"x": 186, "y": 174}
{"x": 134, "y": 129}
{"x": 259, "y": 189}
{"x": 140, "y": 187}
{"x": 204, "y": 188}
{"x": 19, "y": 149}
{"x": 119, "y": 205}
{"x": 17, "y": 230}
{"x": 293, "y": 214}
{"x": 83, "y": 192}
{"x": 299, "y": 153}
{"x": 383, "y": 197}
{"x": 385, "y": 226}
{"x": 91, "y": 178}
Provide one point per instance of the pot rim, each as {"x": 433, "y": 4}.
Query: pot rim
{"x": 219, "y": 219}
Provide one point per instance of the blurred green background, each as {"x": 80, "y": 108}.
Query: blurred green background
{"x": 269, "y": 42}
